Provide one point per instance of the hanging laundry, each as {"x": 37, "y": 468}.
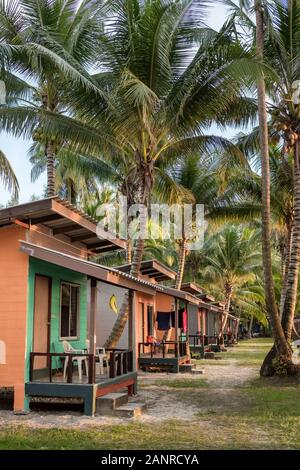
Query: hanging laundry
{"x": 180, "y": 317}
{"x": 184, "y": 321}
{"x": 164, "y": 320}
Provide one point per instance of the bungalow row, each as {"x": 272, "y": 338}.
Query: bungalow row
{"x": 56, "y": 309}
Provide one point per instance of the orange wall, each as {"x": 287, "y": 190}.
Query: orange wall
{"x": 146, "y": 300}
{"x": 13, "y": 310}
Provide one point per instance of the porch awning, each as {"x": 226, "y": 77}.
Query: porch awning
{"x": 192, "y": 288}
{"x": 94, "y": 270}
{"x": 62, "y": 218}
{"x": 179, "y": 294}
{"x": 152, "y": 268}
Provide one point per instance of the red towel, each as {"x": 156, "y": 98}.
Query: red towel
{"x": 184, "y": 321}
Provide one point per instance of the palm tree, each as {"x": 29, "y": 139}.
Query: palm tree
{"x": 209, "y": 179}
{"x": 8, "y": 177}
{"x": 281, "y": 344}
{"x": 278, "y": 20}
{"x": 65, "y": 28}
{"x": 155, "y": 99}
{"x": 232, "y": 257}
{"x": 247, "y": 187}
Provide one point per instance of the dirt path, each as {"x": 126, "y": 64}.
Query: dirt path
{"x": 163, "y": 395}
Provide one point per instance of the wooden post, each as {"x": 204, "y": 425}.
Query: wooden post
{"x": 70, "y": 369}
{"x": 50, "y": 368}
{"x": 92, "y": 324}
{"x": 31, "y": 367}
{"x": 130, "y": 320}
{"x": 131, "y": 328}
{"x": 91, "y": 373}
{"x": 112, "y": 365}
{"x": 187, "y": 344}
{"x": 176, "y": 327}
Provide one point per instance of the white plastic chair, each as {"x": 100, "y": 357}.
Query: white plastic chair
{"x": 100, "y": 355}
{"x": 103, "y": 358}
{"x": 68, "y": 349}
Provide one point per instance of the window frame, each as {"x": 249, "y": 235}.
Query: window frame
{"x": 71, "y": 338}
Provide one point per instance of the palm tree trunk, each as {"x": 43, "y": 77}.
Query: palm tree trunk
{"x": 181, "y": 265}
{"x": 285, "y": 270}
{"x": 128, "y": 252}
{"x": 281, "y": 344}
{"x": 137, "y": 258}
{"x": 227, "y": 296}
{"x": 293, "y": 269}
{"x": 250, "y": 327}
{"x": 50, "y": 155}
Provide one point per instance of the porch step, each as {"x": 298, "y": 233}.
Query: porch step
{"x": 209, "y": 355}
{"x": 198, "y": 371}
{"x": 108, "y": 403}
{"x": 131, "y": 410}
{"x": 186, "y": 368}
{"x": 190, "y": 369}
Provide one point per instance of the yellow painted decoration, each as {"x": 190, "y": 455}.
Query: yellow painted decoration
{"x": 113, "y": 303}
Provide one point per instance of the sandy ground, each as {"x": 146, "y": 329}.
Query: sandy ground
{"x": 163, "y": 402}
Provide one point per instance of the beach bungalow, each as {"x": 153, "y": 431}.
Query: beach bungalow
{"x": 205, "y": 320}
{"x": 162, "y": 321}
{"x": 49, "y": 292}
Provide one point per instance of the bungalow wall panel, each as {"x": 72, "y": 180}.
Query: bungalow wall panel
{"x": 106, "y": 317}
{"x": 193, "y": 319}
{"x": 13, "y": 310}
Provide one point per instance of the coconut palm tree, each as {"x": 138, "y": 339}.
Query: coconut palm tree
{"x": 8, "y": 177}
{"x": 69, "y": 29}
{"x": 248, "y": 186}
{"x": 280, "y": 341}
{"x": 276, "y": 44}
{"x": 232, "y": 257}
{"x": 163, "y": 80}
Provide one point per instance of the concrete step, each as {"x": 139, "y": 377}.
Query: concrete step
{"x": 186, "y": 368}
{"x": 108, "y": 403}
{"x": 209, "y": 355}
{"x": 131, "y": 410}
{"x": 198, "y": 371}
{"x": 190, "y": 369}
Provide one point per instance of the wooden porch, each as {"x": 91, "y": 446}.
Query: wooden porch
{"x": 167, "y": 355}
{"x": 50, "y": 382}
{"x": 199, "y": 342}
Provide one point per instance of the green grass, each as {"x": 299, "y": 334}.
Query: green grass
{"x": 257, "y": 414}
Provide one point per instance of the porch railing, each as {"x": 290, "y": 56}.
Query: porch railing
{"x": 120, "y": 362}
{"x": 203, "y": 340}
{"x": 91, "y": 365}
{"x": 163, "y": 348}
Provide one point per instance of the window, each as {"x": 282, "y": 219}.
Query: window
{"x": 69, "y": 308}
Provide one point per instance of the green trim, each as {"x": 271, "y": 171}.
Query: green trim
{"x": 87, "y": 392}
{"x": 57, "y": 275}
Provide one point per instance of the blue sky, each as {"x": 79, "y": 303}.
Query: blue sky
{"x": 16, "y": 149}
